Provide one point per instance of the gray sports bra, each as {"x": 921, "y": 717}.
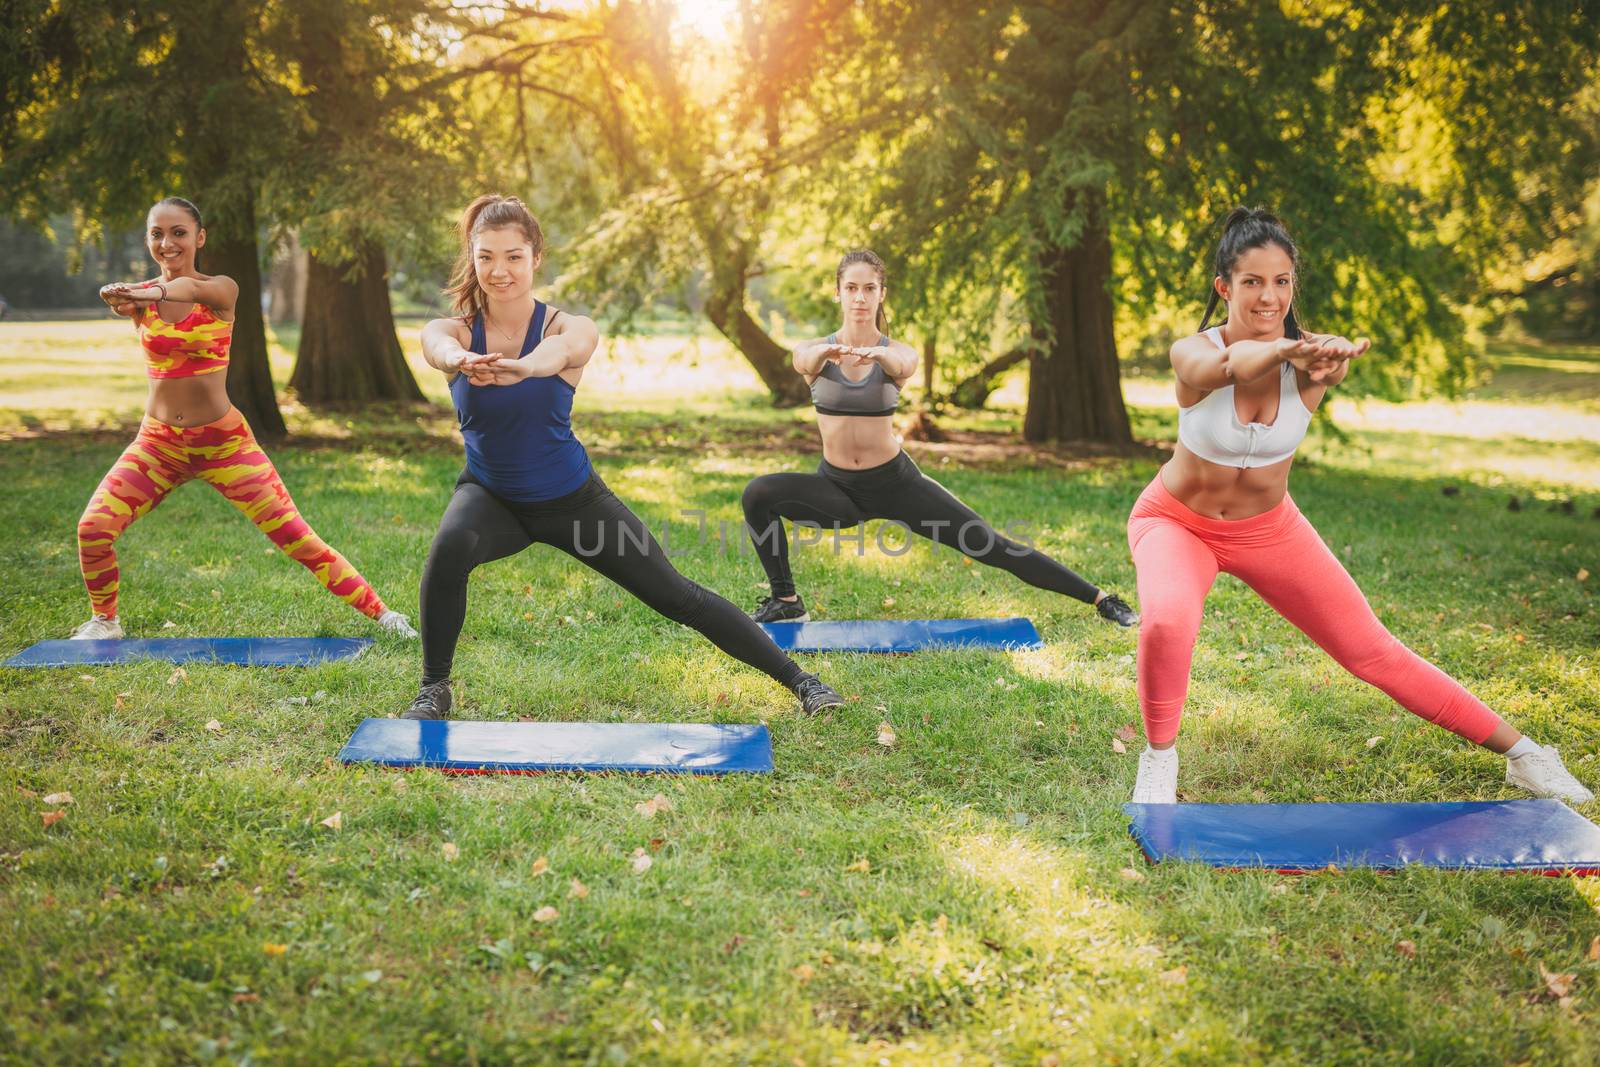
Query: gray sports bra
{"x": 834, "y": 394}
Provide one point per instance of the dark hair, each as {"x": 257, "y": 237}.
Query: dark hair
{"x": 488, "y": 212}
{"x": 870, "y": 258}
{"x": 1246, "y": 228}
{"x": 180, "y": 202}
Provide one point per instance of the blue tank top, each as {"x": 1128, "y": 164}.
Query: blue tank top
{"x": 519, "y": 437}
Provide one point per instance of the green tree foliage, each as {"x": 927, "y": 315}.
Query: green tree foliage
{"x": 1076, "y": 153}
{"x": 703, "y": 147}
{"x": 109, "y": 108}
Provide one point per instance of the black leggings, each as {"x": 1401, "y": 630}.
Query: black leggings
{"x": 594, "y": 527}
{"x": 897, "y": 490}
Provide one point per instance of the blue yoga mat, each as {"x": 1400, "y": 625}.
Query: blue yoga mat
{"x": 247, "y": 651}
{"x": 530, "y": 747}
{"x": 903, "y": 635}
{"x": 1502, "y": 835}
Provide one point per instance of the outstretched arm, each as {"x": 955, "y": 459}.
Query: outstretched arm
{"x": 442, "y": 345}
{"x": 219, "y": 292}
{"x": 569, "y": 344}
{"x": 898, "y": 359}
{"x": 809, "y": 359}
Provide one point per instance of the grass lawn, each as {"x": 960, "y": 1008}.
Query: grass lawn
{"x": 968, "y": 895}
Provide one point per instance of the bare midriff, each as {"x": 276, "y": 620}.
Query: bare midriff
{"x": 188, "y": 401}
{"x": 856, "y": 442}
{"x": 1219, "y": 492}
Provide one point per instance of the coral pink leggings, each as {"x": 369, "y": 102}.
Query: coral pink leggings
{"x": 1178, "y": 553}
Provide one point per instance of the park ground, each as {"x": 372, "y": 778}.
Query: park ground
{"x": 966, "y": 893}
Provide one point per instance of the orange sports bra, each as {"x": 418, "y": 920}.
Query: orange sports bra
{"x": 196, "y": 344}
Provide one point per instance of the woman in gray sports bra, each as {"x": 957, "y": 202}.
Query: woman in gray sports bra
{"x": 855, "y": 376}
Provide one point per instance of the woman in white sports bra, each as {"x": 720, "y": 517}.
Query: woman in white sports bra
{"x": 1246, "y": 393}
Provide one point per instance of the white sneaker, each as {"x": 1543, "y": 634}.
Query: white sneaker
{"x": 396, "y": 623}
{"x": 1544, "y": 775}
{"x": 98, "y": 628}
{"x": 1158, "y": 777}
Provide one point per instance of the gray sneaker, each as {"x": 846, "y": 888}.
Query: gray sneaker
{"x": 816, "y": 695}
{"x": 433, "y": 702}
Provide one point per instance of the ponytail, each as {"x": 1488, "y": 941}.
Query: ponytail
{"x": 488, "y": 212}
{"x": 1246, "y": 228}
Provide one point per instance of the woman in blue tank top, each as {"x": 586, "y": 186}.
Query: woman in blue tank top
{"x": 855, "y": 377}
{"x": 528, "y": 478}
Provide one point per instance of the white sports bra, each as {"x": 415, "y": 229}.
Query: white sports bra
{"x": 1211, "y": 429}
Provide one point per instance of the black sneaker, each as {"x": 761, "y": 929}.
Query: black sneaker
{"x": 433, "y": 702}
{"x": 1116, "y": 609}
{"x": 772, "y": 609}
{"x": 816, "y": 695}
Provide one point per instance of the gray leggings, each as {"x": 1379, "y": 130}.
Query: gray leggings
{"x": 837, "y": 498}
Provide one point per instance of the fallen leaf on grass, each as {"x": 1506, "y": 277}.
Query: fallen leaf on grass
{"x": 214, "y": 726}
{"x": 178, "y": 674}
{"x": 58, "y": 799}
{"x": 541, "y": 866}
{"x": 1594, "y": 950}
{"x": 246, "y": 998}
{"x": 121, "y": 700}
{"x": 577, "y": 891}
{"x": 50, "y": 818}
{"x": 1118, "y": 747}
{"x": 1556, "y": 985}
{"x": 451, "y": 850}
{"x": 732, "y": 944}
{"x": 888, "y": 601}
{"x": 861, "y": 866}
{"x": 1372, "y": 742}
{"x": 1128, "y": 732}
{"x": 641, "y": 861}
{"x": 805, "y": 972}
{"x": 1583, "y": 574}
{"x": 334, "y": 821}
{"x": 1176, "y": 976}
{"x": 1408, "y": 949}
{"x": 86, "y": 678}
{"x": 886, "y": 736}
{"x": 273, "y": 949}
{"x": 546, "y": 914}
{"x": 1129, "y": 874}
{"x": 648, "y": 808}
{"x": 170, "y": 625}
{"x": 25, "y": 791}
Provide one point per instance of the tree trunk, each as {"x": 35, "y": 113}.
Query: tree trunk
{"x": 287, "y": 287}
{"x": 973, "y": 390}
{"x": 349, "y": 353}
{"x": 930, "y": 358}
{"x": 249, "y": 374}
{"x": 219, "y": 171}
{"x": 1074, "y": 382}
{"x": 726, "y": 310}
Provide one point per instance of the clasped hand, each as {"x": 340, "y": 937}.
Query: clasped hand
{"x": 853, "y": 356}
{"x": 1322, "y": 359}
{"x": 493, "y": 369}
{"x": 125, "y": 297}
